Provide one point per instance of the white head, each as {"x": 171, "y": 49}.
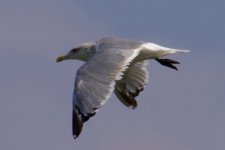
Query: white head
{"x": 83, "y": 52}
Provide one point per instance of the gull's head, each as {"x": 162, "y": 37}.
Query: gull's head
{"x": 81, "y": 52}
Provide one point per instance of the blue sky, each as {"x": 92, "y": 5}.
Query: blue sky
{"x": 179, "y": 110}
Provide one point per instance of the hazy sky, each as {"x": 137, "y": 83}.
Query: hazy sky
{"x": 179, "y": 110}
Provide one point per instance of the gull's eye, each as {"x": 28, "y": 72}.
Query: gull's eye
{"x": 74, "y": 50}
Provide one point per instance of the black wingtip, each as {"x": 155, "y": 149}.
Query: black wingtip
{"x": 77, "y": 123}
{"x": 126, "y": 99}
{"x": 168, "y": 63}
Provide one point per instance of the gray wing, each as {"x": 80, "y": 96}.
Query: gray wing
{"x": 118, "y": 43}
{"x": 95, "y": 81}
{"x": 133, "y": 82}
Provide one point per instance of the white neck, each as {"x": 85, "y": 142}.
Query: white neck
{"x": 86, "y": 53}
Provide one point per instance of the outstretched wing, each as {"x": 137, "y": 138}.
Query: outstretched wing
{"x": 95, "y": 80}
{"x": 133, "y": 82}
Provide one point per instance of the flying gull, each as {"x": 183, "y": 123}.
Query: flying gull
{"x": 112, "y": 64}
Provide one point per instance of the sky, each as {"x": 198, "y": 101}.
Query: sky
{"x": 178, "y": 110}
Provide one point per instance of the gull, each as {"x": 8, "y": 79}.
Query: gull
{"x": 112, "y": 65}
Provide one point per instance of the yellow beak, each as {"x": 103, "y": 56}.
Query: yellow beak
{"x": 61, "y": 58}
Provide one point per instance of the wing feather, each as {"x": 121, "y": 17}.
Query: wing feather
{"x": 95, "y": 80}
{"x": 133, "y": 82}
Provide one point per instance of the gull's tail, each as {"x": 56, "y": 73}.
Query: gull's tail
{"x": 173, "y": 51}
{"x": 169, "y": 62}
{"x": 157, "y": 51}
{"x": 180, "y": 51}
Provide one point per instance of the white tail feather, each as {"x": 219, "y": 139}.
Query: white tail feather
{"x": 182, "y": 51}
{"x": 152, "y": 51}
